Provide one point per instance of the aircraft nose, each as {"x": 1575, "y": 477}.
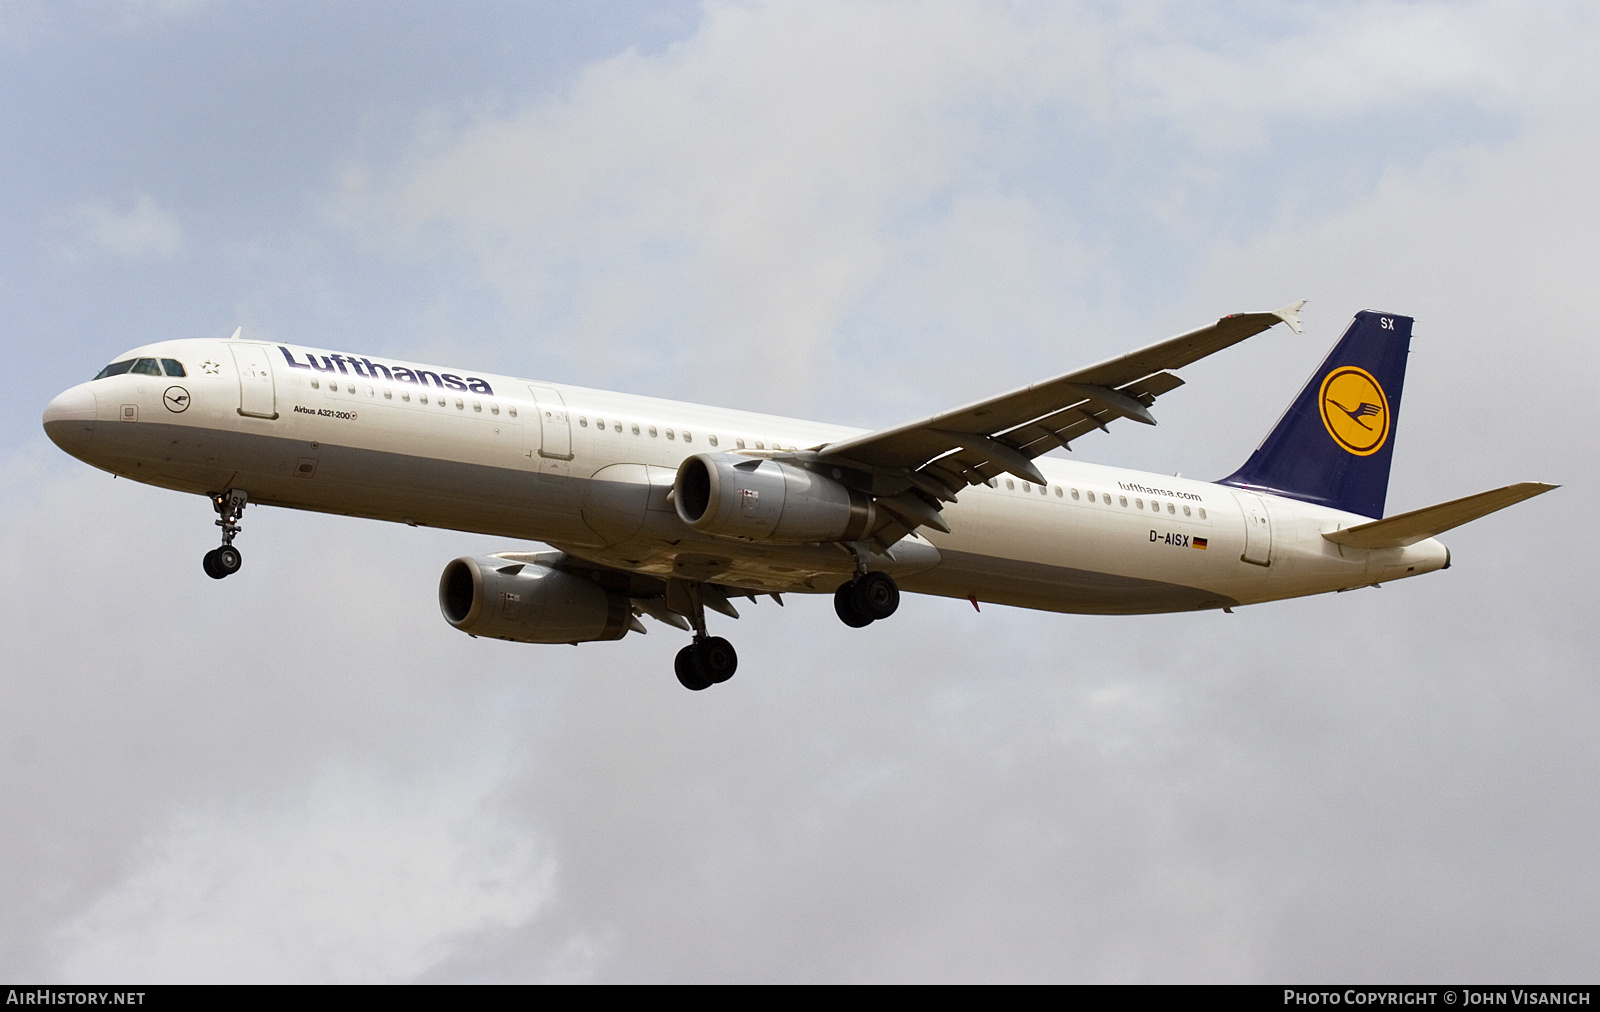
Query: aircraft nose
{"x": 69, "y": 419}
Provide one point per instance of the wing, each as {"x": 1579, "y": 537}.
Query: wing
{"x": 912, "y": 467}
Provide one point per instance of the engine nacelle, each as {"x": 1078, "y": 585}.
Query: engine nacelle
{"x": 758, "y": 499}
{"x": 529, "y": 603}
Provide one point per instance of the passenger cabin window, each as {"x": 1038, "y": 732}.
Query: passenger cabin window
{"x": 712, "y": 439}
{"x": 512, "y": 411}
{"x": 1202, "y": 513}
{"x": 1122, "y": 499}
{"x": 315, "y": 383}
{"x": 739, "y": 443}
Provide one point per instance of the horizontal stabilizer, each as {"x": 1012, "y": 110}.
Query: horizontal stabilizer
{"x": 1419, "y": 525}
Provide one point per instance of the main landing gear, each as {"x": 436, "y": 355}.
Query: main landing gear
{"x": 866, "y": 599}
{"x": 709, "y": 660}
{"x": 226, "y": 560}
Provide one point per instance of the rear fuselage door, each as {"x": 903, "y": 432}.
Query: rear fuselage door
{"x": 1257, "y": 529}
{"x": 555, "y": 430}
{"x": 257, "y": 393}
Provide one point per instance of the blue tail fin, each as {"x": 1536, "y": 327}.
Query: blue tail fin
{"x": 1333, "y": 445}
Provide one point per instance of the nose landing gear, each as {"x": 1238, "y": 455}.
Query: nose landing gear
{"x": 226, "y": 560}
{"x": 866, "y": 599}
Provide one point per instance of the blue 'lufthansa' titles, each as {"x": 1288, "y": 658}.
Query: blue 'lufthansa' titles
{"x": 367, "y": 368}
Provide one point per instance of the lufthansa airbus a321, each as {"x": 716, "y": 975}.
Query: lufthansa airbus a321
{"x": 666, "y": 510}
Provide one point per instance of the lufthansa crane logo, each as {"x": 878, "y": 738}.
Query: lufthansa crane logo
{"x": 1355, "y": 410}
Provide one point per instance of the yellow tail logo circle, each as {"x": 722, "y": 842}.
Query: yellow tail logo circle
{"x": 1355, "y": 410}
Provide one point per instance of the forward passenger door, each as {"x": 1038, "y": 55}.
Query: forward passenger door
{"x": 258, "y": 397}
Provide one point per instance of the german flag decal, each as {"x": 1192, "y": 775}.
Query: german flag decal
{"x": 1200, "y": 543}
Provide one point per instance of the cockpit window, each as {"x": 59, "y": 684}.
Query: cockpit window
{"x": 115, "y": 369}
{"x": 147, "y": 367}
{"x": 173, "y": 367}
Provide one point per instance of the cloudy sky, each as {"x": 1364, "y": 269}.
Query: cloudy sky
{"x": 860, "y": 213}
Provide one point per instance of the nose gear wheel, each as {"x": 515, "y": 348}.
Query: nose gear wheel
{"x": 226, "y": 560}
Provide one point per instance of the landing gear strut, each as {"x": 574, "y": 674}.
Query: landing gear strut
{"x": 709, "y": 660}
{"x": 866, "y": 599}
{"x": 226, "y": 560}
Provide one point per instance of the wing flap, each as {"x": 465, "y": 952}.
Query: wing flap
{"x": 1419, "y": 525}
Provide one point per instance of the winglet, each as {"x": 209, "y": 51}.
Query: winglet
{"x": 1290, "y": 314}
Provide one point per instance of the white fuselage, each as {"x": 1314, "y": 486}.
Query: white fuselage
{"x": 589, "y": 472}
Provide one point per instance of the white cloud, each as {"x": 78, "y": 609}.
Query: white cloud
{"x": 774, "y": 197}
{"x": 362, "y": 880}
{"x": 142, "y": 231}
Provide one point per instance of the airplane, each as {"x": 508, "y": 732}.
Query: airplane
{"x": 661, "y": 509}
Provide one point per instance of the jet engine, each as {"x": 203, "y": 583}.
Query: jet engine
{"x": 758, "y": 499}
{"x": 529, "y": 603}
